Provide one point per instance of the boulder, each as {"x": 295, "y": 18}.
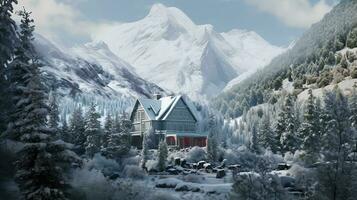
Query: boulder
{"x": 233, "y": 167}
{"x": 183, "y": 163}
{"x": 200, "y": 164}
{"x": 177, "y": 161}
{"x": 208, "y": 167}
{"x": 283, "y": 166}
{"x": 194, "y": 165}
{"x": 220, "y": 173}
{"x": 173, "y": 171}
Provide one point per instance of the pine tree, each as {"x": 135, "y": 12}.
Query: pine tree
{"x": 212, "y": 143}
{"x": 144, "y": 153}
{"x": 38, "y": 174}
{"x": 8, "y": 41}
{"x": 254, "y": 142}
{"x": 108, "y": 130}
{"x": 353, "y": 106}
{"x": 77, "y": 128}
{"x": 336, "y": 147}
{"x": 92, "y": 132}
{"x": 163, "y": 153}
{"x": 65, "y": 132}
{"x": 267, "y": 137}
{"x": 54, "y": 113}
{"x": 309, "y": 132}
{"x": 288, "y": 140}
{"x": 352, "y": 38}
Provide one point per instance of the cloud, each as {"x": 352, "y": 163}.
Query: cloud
{"x": 53, "y": 18}
{"x": 294, "y": 13}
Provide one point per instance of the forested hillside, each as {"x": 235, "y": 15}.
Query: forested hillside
{"x": 323, "y": 55}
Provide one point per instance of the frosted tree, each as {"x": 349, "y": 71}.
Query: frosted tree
{"x": 353, "y": 106}
{"x": 288, "y": 139}
{"x": 108, "y": 130}
{"x": 65, "y": 132}
{"x": 144, "y": 153}
{"x": 118, "y": 143}
{"x": 163, "y": 153}
{"x": 8, "y": 41}
{"x": 77, "y": 128}
{"x": 336, "y": 148}
{"x": 254, "y": 141}
{"x": 54, "y": 113}
{"x": 309, "y": 130}
{"x": 92, "y": 131}
{"x": 212, "y": 143}
{"x": 279, "y": 128}
{"x": 352, "y": 38}
{"x": 117, "y": 124}
{"x": 151, "y": 138}
{"x": 41, "y": 161}
{"x": 266, "y": 135}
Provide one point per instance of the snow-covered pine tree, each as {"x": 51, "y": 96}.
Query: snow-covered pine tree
{"x": 289, "y": 140}
{"x": 77, "y": 128}
{"x": 108, "y": 130}
{"x": 279, "y": 128}
{"x": 309, "y": 132}
{"x": 92, "y": 131}
{"x": 266, "y": 135}
{"x": 353, "y": 107}
{"x": 336, "y": 148}
{"x": 144, "y": 153}
{"x": 163, "y": 153}
{"x": 8, "y": 41}
{"x": 352, "y": 38}
{"x": 212, "y": 143}
{"x": 65, "y": 132}
{"x": 53, "y": 119}
{"x": 116, "y": 124}
{"x": 254, "y": 141}
{"x": 41, "y": 161}
{"x": 118, "y": 143}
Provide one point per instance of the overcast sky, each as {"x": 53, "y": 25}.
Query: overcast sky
{"x": 278, "y": 21}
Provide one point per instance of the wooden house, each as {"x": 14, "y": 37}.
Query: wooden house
{"x": 171, "y": 118}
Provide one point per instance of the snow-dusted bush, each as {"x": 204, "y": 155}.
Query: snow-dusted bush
{"x": 99, "y": 162}
{"x": 90, "y": 185}
{"x": 297, "y": 157}
{"x": 193, "y": 178}
{"x": 162, "y": 196}
{"x": 196, "y": 154}
{"x": 258, "y": 186}
{"x": 151, "y": 165}
{"x": 134, "y": 172}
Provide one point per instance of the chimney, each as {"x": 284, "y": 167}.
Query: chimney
{"x": 157, "y": 96}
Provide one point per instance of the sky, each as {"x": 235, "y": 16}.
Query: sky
{"x": 280, "y": 22}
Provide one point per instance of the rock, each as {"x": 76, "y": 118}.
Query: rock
{"x": 173, "y": 171}
{"x": 200, "y": 164}
{"x": 183, "y": 163}
{"x": 187, "y": 187}
{"x": 220, "y": 173}
{"x": 287, "y": 181}
{"x": 114, "y": 176}
{"x": 233, "y": 167}
{"x": 194, "y": 165}
{"x": 167, "y": 183}
{"x": 214, "y": 170}
{"x": 283, "y": 166}
{"x": 177, "y": 161}
{"x": 208, "y": 167}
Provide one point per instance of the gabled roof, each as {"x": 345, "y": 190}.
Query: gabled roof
{"x": 161, "y": 109}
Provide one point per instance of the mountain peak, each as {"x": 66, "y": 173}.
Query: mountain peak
{"x": 169, "y": 15}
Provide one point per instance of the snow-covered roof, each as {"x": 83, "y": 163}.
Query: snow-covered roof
{"x": 160, "y": 109}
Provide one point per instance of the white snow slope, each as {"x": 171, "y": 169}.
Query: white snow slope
{"x": 169, "y": 49}
{"x": 91, "y": 69}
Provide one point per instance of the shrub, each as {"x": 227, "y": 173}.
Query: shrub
{"x": 196, "y": 154}
{"x": 134, "y": 172}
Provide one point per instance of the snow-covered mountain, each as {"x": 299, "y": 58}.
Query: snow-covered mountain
{"x": 91, "y": 69}
{"x": 168, "y": 48}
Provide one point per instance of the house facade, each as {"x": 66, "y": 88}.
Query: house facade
{"x": 171, "y": 118}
